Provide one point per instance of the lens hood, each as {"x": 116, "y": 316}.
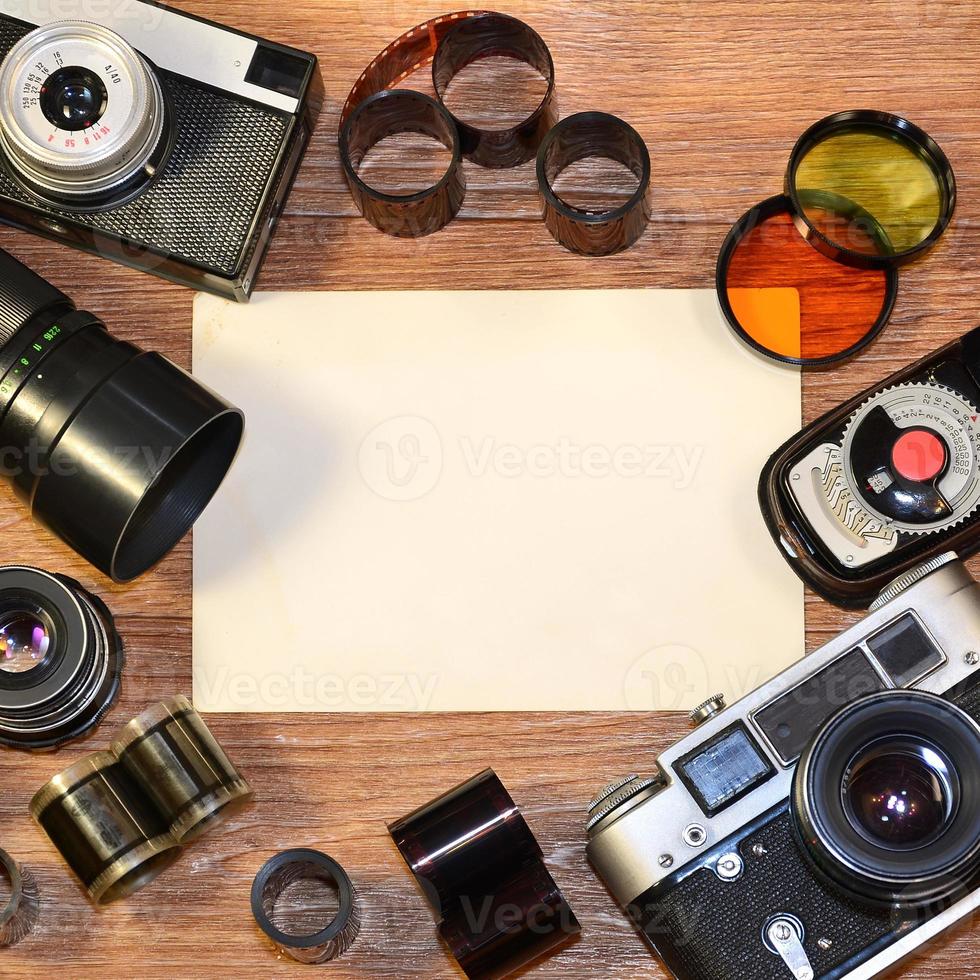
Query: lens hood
{"x": 114, "y": 448}
{"x": 136, "y": 465}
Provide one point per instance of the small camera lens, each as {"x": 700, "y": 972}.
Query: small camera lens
{"x": 25, "y": 639}
{"x": 60, "y": 659}
{"x": 899, "y": 795}
{"x": 74, "y": 98}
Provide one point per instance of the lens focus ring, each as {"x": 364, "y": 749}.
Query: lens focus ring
{"x": 81, "y": 113}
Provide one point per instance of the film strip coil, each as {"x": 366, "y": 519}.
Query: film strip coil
{"x": 483, "y": 872}
{"x": 584, "y": 136}
{"x": 303, "y": 864}
{"x": 19, "y": 917}
{"x": 373, "y": 112}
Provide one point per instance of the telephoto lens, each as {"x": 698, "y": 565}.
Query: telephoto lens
{"x": 60, "y": 659}
{"x": 115, "y": 449}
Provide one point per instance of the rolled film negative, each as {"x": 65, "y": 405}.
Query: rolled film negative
{"x": 497, "y": 35}
{"x": 302, "y": 864}
{"x": 483, "y": 873}
{"x": 580, "y": 137}
{"x": 107, "y": 830}
{"x": 403, "y": 111}
{"x": 19, "y": 915}
{"x": 896, "y": 177}
{"x": 793, "y": 303}
{"x": 430, "y": 209}
{"x": 181, "y": 768}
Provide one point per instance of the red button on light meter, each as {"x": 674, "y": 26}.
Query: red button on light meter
{"x": 919, "y": 456}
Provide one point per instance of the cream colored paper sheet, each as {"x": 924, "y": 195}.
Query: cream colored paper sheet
{"x": 490, "y": 501}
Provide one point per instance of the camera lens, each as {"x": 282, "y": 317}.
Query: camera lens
{"x": 115, "y": 449}
{"x": 25, "y": 639}
{"x": 74, "y": 99}
{"x": 98, "y": 127}
{"x": 886, "y": 799}
{"x": 60, "y": 659}
{"x": 900, "y": 793}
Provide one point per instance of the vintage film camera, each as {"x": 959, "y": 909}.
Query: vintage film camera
{"x": 828, "y": 824}
{"x": 157, "y": 139}
{"x": 887, "y": 480}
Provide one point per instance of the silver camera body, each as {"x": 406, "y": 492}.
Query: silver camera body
{"x": 775, "y": 840}
{"x": 152, "y": 137}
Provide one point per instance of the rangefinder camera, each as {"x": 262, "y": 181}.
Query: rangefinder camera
{"x": 157, "y": 139}
{"x": 828, "y": 824}
{"x": 886, "y": 481}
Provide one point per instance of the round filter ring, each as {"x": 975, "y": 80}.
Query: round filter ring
{"x": 808, "y": 265}
{"x": 918, "y": 146}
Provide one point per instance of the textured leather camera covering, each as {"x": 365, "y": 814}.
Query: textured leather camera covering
{"x": 707, "y": 929}
{"x": 204, "y": 206}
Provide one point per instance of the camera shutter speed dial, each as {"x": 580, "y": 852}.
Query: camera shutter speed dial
{"x": 910, "y": 458}
{"x": 619, "y": 793}
{"x": 706, "y": 711}
{"x": 81, "y": 112}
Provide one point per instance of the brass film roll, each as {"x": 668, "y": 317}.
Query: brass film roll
{"x": 105, "y": 827}
{"x": 181, "y": 768}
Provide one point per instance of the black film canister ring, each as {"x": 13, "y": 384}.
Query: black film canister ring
{"x": 580, "y": 137}
{"x": 386, "y": 114}
{"x": 483, "y": 872}
{"x": 494, "y": 35}
{"x": 842, "y": 153}
{"x": 19, "y": 916}
{"x": 304, "y": 864}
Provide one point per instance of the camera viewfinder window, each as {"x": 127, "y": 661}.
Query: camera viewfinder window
{"x": 724, "y": 770}
{"x": 905, "y": 651}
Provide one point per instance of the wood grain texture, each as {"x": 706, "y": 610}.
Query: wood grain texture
{"x": 720, "y": 90}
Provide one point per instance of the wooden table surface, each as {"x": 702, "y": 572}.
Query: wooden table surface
{"x": 720, "y": 89}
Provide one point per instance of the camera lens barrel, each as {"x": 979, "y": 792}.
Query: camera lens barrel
{"x": 886, "y": 799}
{"x": 115, "y": 449}
{"x": 99, "y": 125}
{"x": 61, "y": 659}
{"x": 105, "y": 828}
{"x": 182, "y": 768}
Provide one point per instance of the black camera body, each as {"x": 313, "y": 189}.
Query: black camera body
{"x": 826, "y": 826}
{"x": 159, "y": 140}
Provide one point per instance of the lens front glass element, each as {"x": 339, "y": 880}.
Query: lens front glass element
{"x": 900, "y": 794}
{"x": 883, "y": 174}
{"x": 25, "y": 639}
{"x": 74, "y": 98}
{"x": 92, "y": 118}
